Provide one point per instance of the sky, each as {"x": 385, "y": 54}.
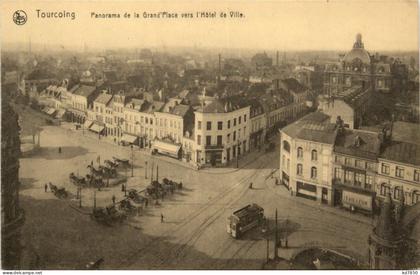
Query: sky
{"x": 283, "y": 25}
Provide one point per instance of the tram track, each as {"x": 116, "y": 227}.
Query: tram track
{"x": 186, "y": 221}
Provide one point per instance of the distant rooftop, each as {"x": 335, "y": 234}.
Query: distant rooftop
{"x": 401, "y": 151}
{"x": 84, "y": 90}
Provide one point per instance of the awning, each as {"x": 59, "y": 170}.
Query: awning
{"x": 60, "y": 113}
{"x": 166, "y": 148}
{"x": 96, "y": 128}
{"x": 51, "y": 111}
{"x": 129, "y": 138}
{"x": 87, "y": 123}
{"x": 307, "y": 192}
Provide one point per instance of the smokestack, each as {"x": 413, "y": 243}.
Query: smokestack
{"x": 220, "y": 68}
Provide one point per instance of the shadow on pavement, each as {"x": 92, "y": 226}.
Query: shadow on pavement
{"x": 67, "y": 152}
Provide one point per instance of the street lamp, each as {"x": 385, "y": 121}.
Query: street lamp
{"x": 132, "y": 161}
{"x": 145, "y": 170}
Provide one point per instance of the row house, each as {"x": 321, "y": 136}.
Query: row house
{"x": 174, "y": 121}
{"x": 82, "y": 98}
{"x": 221, "y": 131}
{"x": 344, "y": 167}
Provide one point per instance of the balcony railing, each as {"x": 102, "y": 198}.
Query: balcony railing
{"x": 214, "y": 147}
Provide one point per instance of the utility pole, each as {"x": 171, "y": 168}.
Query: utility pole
{"x": 276, "y": 241}
{"x": 145, "y": 170}
{"x": 151, "y": 177}
{"x": 157, "y": 172}
{"x": 132, "y": 161}
{"x": 94, "y": 200}
{"x": 80, "y": 198}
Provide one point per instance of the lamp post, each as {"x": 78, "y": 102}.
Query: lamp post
{"x": 80, "y": 198}
{"x": 145, "y": 170}
{"x": 132, "y": 161}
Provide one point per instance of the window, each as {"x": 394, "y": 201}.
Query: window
{"x": 228, "y": 138}
{"x": 300, "y": 152}
{"x": 360, "y": 163}
{"x": 208, "y": 125}
{"x": 170, "y": 123}
{"x": 208, "y": 140}
{"x": 299, "y": 170}
{"x": 337, "y": 159}
{"x": 198, "y": 140}
{"x": 369, "y": 182}
{"x": 313, "y": 173}
{"x": 151, "y": 121}
{"x": 286, "y": 146}
{"x": 228, "y": 124}
{"x": 239, "y": 120}
{"x": 358, "y": 179}
{"x": 220, "y": 125}
{"x": 399, "y": 172}
{"x": 385, "y": 189}
{"x": 416, "y": 175}
{"x": 398, "y": 193}
{"x": 234, "y": 135}
{"x": 416, "y": 197}
{"x": 314, "y": 155}
{"x": 348, "y": 176}
{"x": 234, "y": 122}
{"x": 385, "y": 169}
{"x": 199, "y": 125}
{"x": 219, "y": 140}
{"x": 244, "y": 118}
{"x": 147, "y": 120}
{"x": 370, "y": 166}
{"x": 347, "y": 161}
{"x": 338, "y": 173}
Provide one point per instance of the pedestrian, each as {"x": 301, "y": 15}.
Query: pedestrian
{"x": 46, "y": 188}
{"x": 123, "y": 188}
{"x": 146, "y": 202}
{"x": 161, "y": 217}
{"x": 250, "y": 185}
{"x": 59, "y": 150}
{"x": 180, "y": 185}
{"x": 91, "y": 163}
{"x": 277, "y": 181}
{"x": 113, "y": 199}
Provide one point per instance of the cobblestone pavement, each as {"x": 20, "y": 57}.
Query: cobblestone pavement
{"x": 193, "y": 234}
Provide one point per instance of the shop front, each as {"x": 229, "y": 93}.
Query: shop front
{"x": 354, "y": 199}
{"x": 164, "y": 148}
{"x": 214, "y": 157}
{"x": 127, "y": 139}
{"x": 306, "y": 190}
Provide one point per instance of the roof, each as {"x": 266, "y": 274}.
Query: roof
{"x": 401, "y": 151}
{"x": 293, "y": 85}
{"x": 358, "y": 53}
{"x": 406, "y": 131}
{"x": 84, "y": 90}
{"x": 103, "y": 98}
{"x": 180, "y": 110}
{"x": 313, "y": 127}
{"x": 226, "y": 105}
{"x": 358, "y": 143}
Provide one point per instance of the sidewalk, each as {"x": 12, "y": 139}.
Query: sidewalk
{"x": 281, "y": 191}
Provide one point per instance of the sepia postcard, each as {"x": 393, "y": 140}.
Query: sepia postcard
{"x": 210, "y": 135}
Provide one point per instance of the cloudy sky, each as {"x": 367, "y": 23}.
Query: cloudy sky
{"x": 284, "y": 25}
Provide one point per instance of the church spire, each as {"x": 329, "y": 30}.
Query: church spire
{"x": 358, "y": 44}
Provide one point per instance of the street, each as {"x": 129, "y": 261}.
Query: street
{"x": 193, "y": 232}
